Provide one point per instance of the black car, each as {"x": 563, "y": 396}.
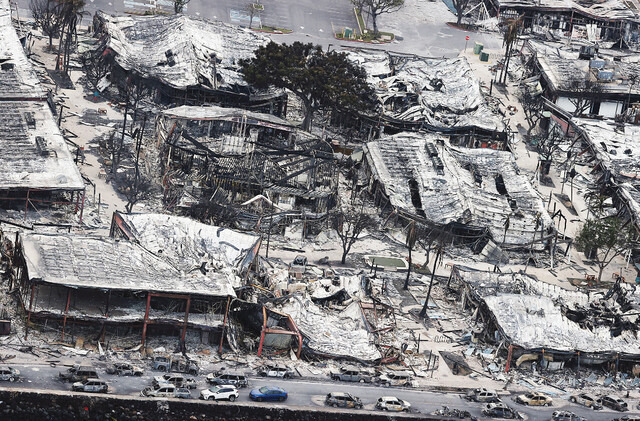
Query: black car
{"x": 614, "y": 402}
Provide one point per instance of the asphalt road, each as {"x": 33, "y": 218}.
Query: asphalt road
{"x": 303, "y": 392}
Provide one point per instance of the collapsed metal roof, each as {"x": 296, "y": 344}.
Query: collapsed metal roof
{"x": 443, "y": 93}
{"x": 33, "y": 153}
{"x": 180, "y": 51}
{"x": 533, "y": 314}
{"x": 18, "y": 80}
{"x": 186, "y": 244}
{"x": 337, "y": 334}
{"x": 79, "y": 261}
{"x": 213, "y": 112}
{"x": 475, "y": 187}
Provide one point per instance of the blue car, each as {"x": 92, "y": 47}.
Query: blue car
{"x": 268, "y": 393}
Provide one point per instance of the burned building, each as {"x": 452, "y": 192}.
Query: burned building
{"x": 437, "y": 94}
{"x": 216, "y": 160}
{"x": 614, "y": 150}
{"x": 37, "y": 167}
{"x": 524, "y": 316}
{"x": 180, "y": 59}
{"x": 479, "y": 194}
{"x": 154, "y": 274}
{"x": 599, "y": 84}
{"x": 608, "y": 20}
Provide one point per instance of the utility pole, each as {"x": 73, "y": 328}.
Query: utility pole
{"x": 423, "y": 312}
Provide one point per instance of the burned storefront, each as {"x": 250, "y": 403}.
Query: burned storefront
{"x": 179, "y": 59}
{"x": 38, "y": 171}
{"x": 234, "y": 166}
{"x": 156, "y": 274}
{"x": 478, "y": 195}
{"x": 437, "y": 94}
{"x": 531, "y": 320}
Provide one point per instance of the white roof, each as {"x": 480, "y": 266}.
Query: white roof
{"x": 605, "y": 9}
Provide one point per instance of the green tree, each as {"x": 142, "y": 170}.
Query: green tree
{"x": 605, "y": 239}
{"x": 319, "y": 79}
{"x": 376, "y": 8}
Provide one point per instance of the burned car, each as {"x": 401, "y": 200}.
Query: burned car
{"x": 175, "y": 379}
{"x": 351, "y": 374}
{"x": 9, "y": 374}
{"x": 614, "y": 402}
{"x": 483, "y": 395}
{"x": 343, "y": 400}
{"x": 78, "y": 373}
{"x": 166, "y": 390}
{"x": 396, "y": 378}
{"x": 500, "y": 410}
{"x": 125, "y": 369}
{"x": 586, "y": 400}
{"x": 534, "y": 399}
{"x": 391, "y": 403}
{"x": 275, "y": 370}
{"x": 90, "y": 385}
{"x": 176, "y": 364}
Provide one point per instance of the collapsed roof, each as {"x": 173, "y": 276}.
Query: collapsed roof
{"x": 180, "y": 51}
{"x": 336, "y": 334}
{"x": 80, "y": 261}
{"x": 33, "y": 153}
{"x": 213, "y": 112}
{"x": 18, "y": 80}
{"x": 614, "y": 146}
{"x": 474, "y": 187}
{"x": 535, "y": 315}
{"x": 442, "y": 93}
{"x": 187, "y": 244}
{"x": 605, "y": 9}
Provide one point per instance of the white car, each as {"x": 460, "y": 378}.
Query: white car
{"x": 391, "y": 403}
{"x": 225, "y": 391}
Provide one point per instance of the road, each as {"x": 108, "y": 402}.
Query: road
{"x": 303, "y": 392}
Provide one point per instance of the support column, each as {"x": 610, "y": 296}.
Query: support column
{"x": 508, "y": 366}
{"x": 186, "y": 319}
{"x": 264, "y": 328}
{"x": 26, "y": 205}
{"x": 66, "y": 311}
{"x": 84, "y": 193}
{"x": 224, "y": 324}
{"x": 26, "y": 331}
{"x": 146, "y": 319}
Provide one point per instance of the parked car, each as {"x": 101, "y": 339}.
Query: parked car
{"x": 78, "y": 373}
{"x": 343, "y": 400}
{"x": 177, "y": 380}
{"x": 351, "y": 374}
{"x": 614, "y": 402}
{"x": 586, "y": 400}
{"x": 166, "y": 390}
{"x": 235, "y": 379}
{"x": 534, "y": 399}
{"x": 176, "y": 364}
{"x": 214, "y": 393}
{"x": 391, "y": 403}
{"x": 275, "y": 370}
{"x": 10, "y": 374}
{"x": 627, "y": 418}
{"x": 396, "y": 378}
{"x": 483, "y": 395}
{"x": 566, "y": 416}
{"x": 90, "y": 385}
{"x": 500, "y": 410}
{"x": 268, "y": 393}
{"x": 125, "y": 369}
